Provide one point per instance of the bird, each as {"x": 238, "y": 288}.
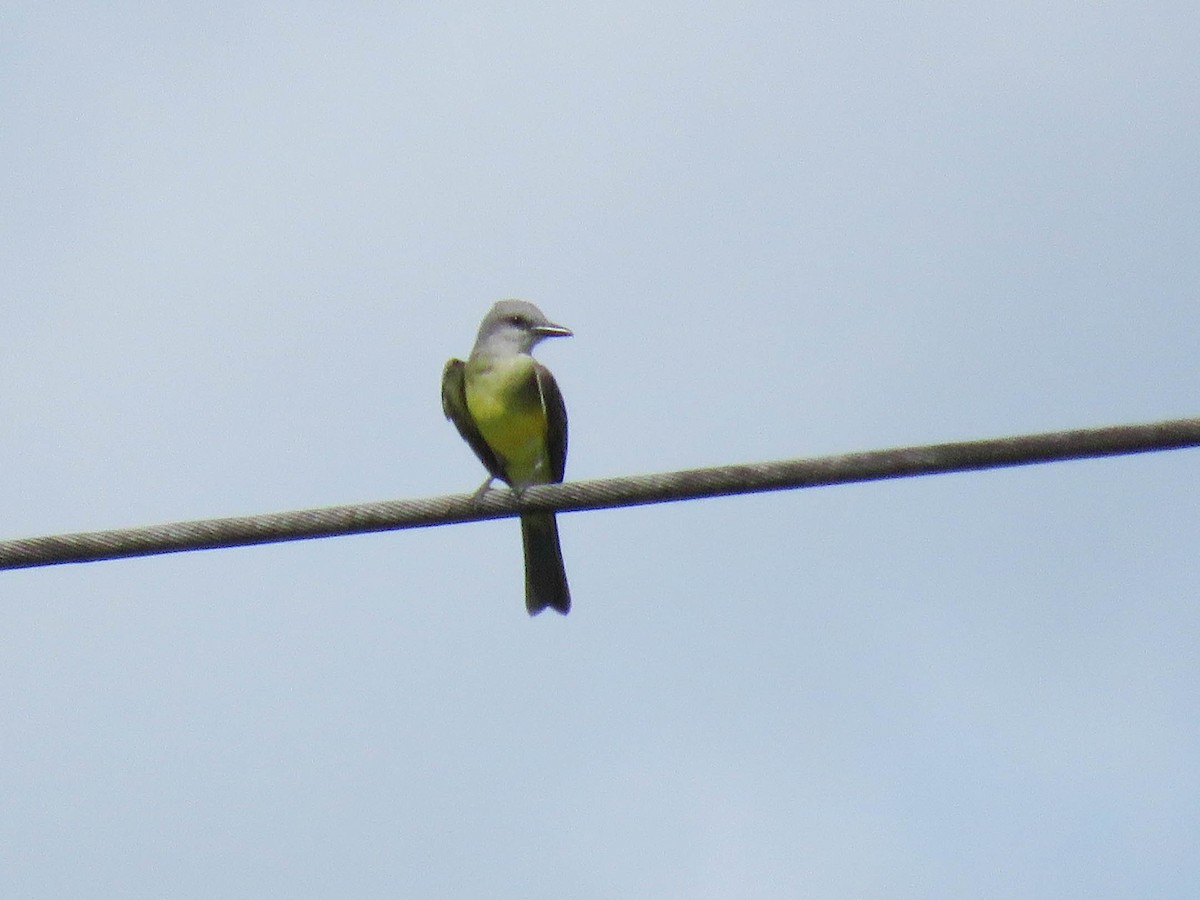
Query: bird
{"x": 509, "y": 410}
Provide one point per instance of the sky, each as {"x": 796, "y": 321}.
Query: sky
{"x": 239, "y": 241}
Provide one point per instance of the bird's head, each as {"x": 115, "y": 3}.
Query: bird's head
{"x": 517, "y": 324}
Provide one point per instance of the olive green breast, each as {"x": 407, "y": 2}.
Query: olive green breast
{"x": 504, "y": 400}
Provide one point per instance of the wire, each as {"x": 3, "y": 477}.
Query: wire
{"x": 634, "y": 490}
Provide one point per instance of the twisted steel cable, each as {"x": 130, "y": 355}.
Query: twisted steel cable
{"x": 635, "y": 490}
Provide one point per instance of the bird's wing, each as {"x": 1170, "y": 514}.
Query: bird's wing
{"x": 454, "y": 405}
{"x": 556, "y": 421}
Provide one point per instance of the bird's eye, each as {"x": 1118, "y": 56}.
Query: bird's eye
{"x": 514, "y": 320}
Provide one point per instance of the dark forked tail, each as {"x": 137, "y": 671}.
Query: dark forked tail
{"x": 545, "y": 577}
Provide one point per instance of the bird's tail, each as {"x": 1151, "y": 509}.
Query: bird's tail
{"x": 545, "y": 577}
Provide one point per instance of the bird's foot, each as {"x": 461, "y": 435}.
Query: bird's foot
{"x": 483, "y": 489}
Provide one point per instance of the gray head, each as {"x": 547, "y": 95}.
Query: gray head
{"x": 514, "y": 326}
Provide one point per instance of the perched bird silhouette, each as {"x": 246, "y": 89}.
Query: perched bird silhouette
{"x": 507, "y": 407}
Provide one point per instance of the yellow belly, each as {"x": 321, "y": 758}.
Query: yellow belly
{"x": 503, "y": 400}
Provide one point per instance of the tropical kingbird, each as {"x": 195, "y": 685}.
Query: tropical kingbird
{"x": 507, "y": 406}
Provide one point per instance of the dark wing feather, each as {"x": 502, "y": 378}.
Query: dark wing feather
{"x": 556, "y": 421}
{"x": 454, "y": 405}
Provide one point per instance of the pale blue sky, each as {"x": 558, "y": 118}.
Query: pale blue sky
{"x": 240, "y": 240}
